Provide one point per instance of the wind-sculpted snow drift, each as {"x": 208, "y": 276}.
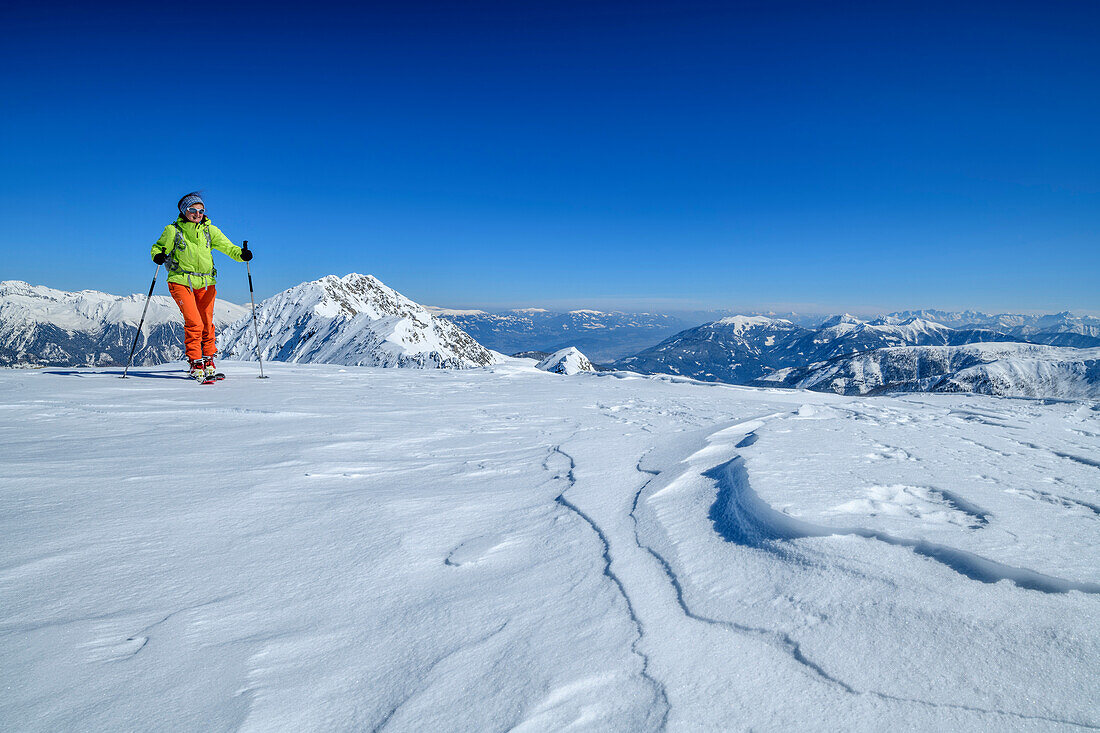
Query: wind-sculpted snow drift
{"x": 353, "y": 320}
{"x": 740, "y": 516}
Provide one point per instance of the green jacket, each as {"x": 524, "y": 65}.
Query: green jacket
{"x": 190, "y": 256}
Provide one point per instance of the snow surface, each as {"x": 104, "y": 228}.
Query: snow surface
{"x": 501, "y": 549}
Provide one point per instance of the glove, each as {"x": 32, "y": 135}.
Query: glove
{"x": 159, "y": 258}
{"x": 246, "y": 253}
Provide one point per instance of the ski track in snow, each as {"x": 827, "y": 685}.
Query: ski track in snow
{"x": 661, "y": 703}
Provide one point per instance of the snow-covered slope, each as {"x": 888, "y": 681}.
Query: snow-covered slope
{"x": 566, "y": 361}
{"x": 1007, "y": 369}
{"x": 741, "y": 349}
{"x": 737, "y": 349}
{"x": 41, "y": 326}
{"x": 848, "y": 335}
{"x": 1058, "y": 329}
{"x": 360, "y": 549}
{"x": 354, "y": 320}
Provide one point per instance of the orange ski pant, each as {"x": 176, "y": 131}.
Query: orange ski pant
{"x": 197, "y": 307}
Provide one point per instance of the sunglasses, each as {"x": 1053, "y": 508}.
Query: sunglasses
{"x": 193, "y": 210}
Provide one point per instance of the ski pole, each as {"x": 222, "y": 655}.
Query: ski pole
{"x": 255, "y": 328}
{"x": 141, "y": 322}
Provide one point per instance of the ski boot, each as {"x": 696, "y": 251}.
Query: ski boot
{"x": 210, "y": 371}
{"x": 198, "y": 371}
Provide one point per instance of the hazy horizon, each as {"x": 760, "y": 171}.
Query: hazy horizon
{"x": 668, "y": 307}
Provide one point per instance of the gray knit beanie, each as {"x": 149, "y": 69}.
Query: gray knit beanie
{"x": 189, "y": 199}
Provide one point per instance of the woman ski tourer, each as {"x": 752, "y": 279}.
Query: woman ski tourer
{"x": 186, "y": 249}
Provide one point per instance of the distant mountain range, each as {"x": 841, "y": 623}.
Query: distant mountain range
{"x": 1059, "y": 329}
{"x": 851, "y": 356}
{"x": 1009, "y": 369}
{"x": 604, "y": 337}
{"x": 351, "y": 320}
{"x": 741, "y": 349}
{"x": 612, "y": 336}
{"x": 357, "y": 320}
{"x": 41, "y": 326}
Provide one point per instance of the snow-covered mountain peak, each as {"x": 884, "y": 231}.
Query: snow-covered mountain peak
{"x": 41, "y": 326}
{"x": 740, "y": 324}
{"x": 566, "y": 361}
{"x": 20, "y": 287}
{"x": 355, "y": 320}
{"x": 84, "y": 310}
{"x": 351, "y": 295}
{"x": 914, "y": 326}
{"x": 842, "y": 319}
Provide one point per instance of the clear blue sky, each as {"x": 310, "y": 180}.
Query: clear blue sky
{"x": 839, "y": 156}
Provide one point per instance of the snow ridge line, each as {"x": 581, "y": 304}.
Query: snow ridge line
{"x": 783, "y": 640}
{"x": 659, "y": 687}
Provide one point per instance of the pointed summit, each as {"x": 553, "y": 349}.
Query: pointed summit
{"x": 740, "y": 324}
{"x": 846, "y": 318}
{"x": 566, "y": 361}
{"x": 355, "y": 320}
